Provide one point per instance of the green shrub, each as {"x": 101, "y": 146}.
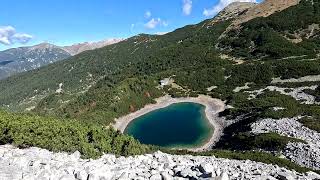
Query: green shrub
{"x": 311, "y": 122}
{"x": 65, "y": 135}
{"x": 266, "y": 141}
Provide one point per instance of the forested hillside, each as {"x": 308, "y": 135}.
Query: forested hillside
{"x": 107, "y": 68}
{"x": 106, "y": 83}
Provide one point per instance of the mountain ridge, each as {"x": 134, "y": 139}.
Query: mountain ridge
{"x": 80, "y": 47}
{"x": 265, "y": 9}
{"x": 27, "y": 58}
{"x": 233, "y": 11}
{"x": 21, "y": 59}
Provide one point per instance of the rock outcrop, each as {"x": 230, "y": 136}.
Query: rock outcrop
{"x": 264, "y": 9}
{"x": 35, "y": 163}
{"x": 234, "y": 10}
{"x": 304, "y": 154}
{"x": 242, "y": 12}
{"x": 297, "y": 93}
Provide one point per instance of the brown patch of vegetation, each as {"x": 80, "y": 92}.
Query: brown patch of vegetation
{"x": 132, "y": 108}
{"x": 147, "y": 94}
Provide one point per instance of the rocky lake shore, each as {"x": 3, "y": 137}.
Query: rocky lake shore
{"x": 213, "y": 107}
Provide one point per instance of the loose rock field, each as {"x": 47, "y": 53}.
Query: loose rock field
{"x": 303, "y": 154}
{"x": 35, "y": 163}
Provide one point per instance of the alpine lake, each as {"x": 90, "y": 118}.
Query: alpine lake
{"x": 180, "y": 125}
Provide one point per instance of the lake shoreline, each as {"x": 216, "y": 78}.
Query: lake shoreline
{"x": 212, "y": 108}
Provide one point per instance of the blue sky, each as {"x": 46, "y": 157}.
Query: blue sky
{"x": 64, "y": 22}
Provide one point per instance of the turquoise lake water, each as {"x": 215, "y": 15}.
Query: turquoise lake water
{"x": 179, "y": 125}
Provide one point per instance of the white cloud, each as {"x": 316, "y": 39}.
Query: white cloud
{"x": 153, "y": 23}
{"x": 187, "y": 7}
{"x": 147, "y": 14}
{"x": 221, "y": 5}
{"x": 22, "y": 38}
{"x": 6, "y": 33}
{"x": 8, "y": 36}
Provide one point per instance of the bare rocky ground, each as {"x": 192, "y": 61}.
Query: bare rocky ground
{"x": 303, "y": 154}
{"x": 35, "y": 163}
{"x": 313, "y": 78}
{"x": 264, "y": 9}
{"x": 296, "y": 93}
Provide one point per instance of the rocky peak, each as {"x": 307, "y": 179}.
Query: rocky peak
{"x": 234, "y": 10}
{"x": 42, "y": 46}
{"x": 264, "y": 9}
{"x": 244, "y": 11}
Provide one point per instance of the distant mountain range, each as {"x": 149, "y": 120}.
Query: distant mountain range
{"x": 16, "y": 60}
{"x": 80, "y": 47}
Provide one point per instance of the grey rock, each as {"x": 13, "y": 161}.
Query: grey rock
{"x": 206, "y": 168}
{"x": 313, "y": 175}
{"x": 35, "y": 163}
{"x": 156, "y": 177}
{"x": 218, "y": 172}
{"x": 166, "y": 176}
{"x": 188, "y": 173}
{"x": 224, "y": 176}
{"x": 178, "y": 169}
{"x": 270, "y": 178}
{"x": 82, "y": 175}
{"x": 93, "y": 177}
{"x": 284, "y": 176}
{"x": 67, "y": 177}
